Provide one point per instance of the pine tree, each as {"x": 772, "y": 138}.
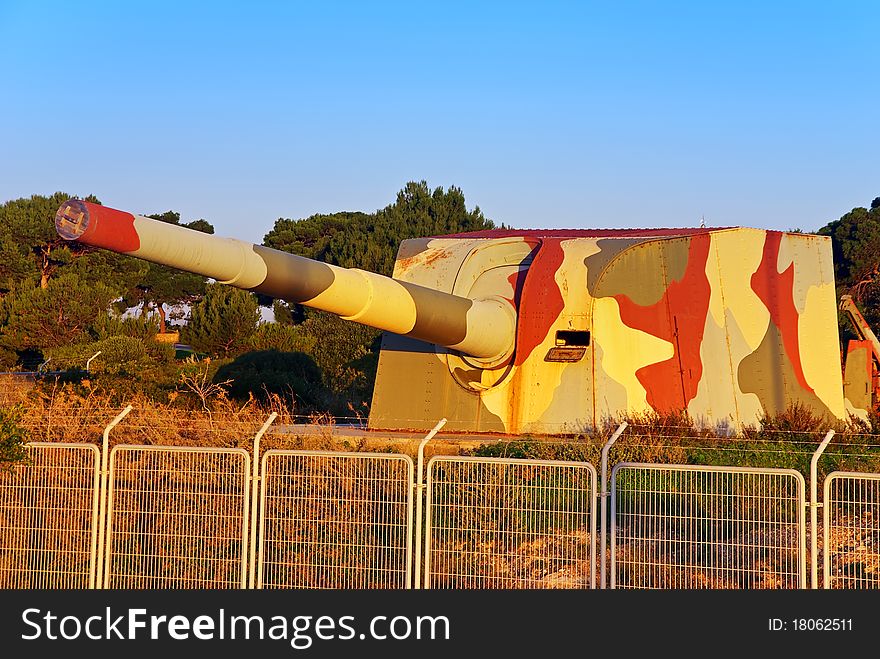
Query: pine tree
{"x": 31, "y": 251}
{"x": 370, "y": 241}
{"x": 161, "y": 285}
{"x": 855, "y": 241}
{"x": 61, "y": 314}
{"x": 222, "y": 323}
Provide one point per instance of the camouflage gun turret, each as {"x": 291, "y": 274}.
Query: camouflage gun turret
{"x": 553, "y": 331}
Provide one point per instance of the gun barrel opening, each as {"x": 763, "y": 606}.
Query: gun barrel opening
{"x": 72, "y": 219}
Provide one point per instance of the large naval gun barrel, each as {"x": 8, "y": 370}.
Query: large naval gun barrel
{"x": 481, "y": 328}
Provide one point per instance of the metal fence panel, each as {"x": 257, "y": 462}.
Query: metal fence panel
{"x": 683, "y": 526}
{"x": 48, "y": 518}
{"x": 852, "y": 530}
{"x": 335, "y": 520}
{"x": 503, "y": 523}
{"x": 177, "y": 517}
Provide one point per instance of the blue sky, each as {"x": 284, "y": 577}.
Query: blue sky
{"x": 550, "y": 114}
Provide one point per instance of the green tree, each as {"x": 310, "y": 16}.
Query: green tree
{"x": 9, "y": 356}
{"x": 32, "y": 251}
{"x": 855, "y": 241}
{"x": 417, "y": 212}
{"x": 161, "y": 285}
{"x": 316, "y": 236}
{"x": 15, "y": 262}
{"x": 288, "y": 314}
{"x": 370, "y": 241}
{"x": 36, "y": 311}
{"x": 62, "y": 313}
{"x": 222, "y": 323}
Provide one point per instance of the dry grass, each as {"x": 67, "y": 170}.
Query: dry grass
{"x": 545, "y": 562}
{"x": 66, "y": 413}
{"x": 853, "y": 541}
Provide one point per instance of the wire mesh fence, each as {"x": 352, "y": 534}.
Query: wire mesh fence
{"x": 682, "y": 526}
{"x": 496, "y": 523}
{"x": 188, "y": 517}
{"x": 48, "y": 518}
{"x": 851, "y": 539}
{"x": 335, "y": 520}
{"x": 178, "y": 517}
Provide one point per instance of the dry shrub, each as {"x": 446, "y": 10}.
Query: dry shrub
{"x": 194, "y": 416}
{"x": 796, "y": 418}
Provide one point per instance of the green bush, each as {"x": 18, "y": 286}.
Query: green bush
{"x": 280, "y": 337}
{"x": 266, "y": 372}
{"x": 786, "y": 440}
{"x": 138, "y": 327}
{"x": 12, "y": 437}
{"x": 126, "y": 366}
{"x": 119, "y": 355}
{"x": 532, "y": 449}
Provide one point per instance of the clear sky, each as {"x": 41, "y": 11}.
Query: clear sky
{"x": 545, "y": 114}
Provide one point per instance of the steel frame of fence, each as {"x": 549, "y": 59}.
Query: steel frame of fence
{"x": 90, "y": 501}
{"x": 433, "y": 505}
{"x": 867, "y": 487}
{"x": 349, "y": 526}
{"x": 115, "y": 490}
{"x": 692, "y": 522}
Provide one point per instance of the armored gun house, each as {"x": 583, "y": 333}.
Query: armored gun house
{"x": 724, "y": 323}
{"x": 553, "y": 331}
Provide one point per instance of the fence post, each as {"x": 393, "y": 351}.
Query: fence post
{"x": 419, "y": 490}
{"x": 102, "y": 493}
{"x": 814, "y": 505}
{"x": 603, "y": 531}
{"x": 255, "y": 479}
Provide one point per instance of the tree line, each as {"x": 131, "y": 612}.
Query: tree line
{"x": 855, "y": 241}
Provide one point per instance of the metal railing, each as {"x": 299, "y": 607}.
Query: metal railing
{"x": 851, "y": 538}
{"x": 49, "y": 518}
{"x": 335, "y": 520}
{"x": 177, "y": 517}
{"x": 500, "y": 523}
{"x": 76, "y": 516}
{"x": 683, "y": 526}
